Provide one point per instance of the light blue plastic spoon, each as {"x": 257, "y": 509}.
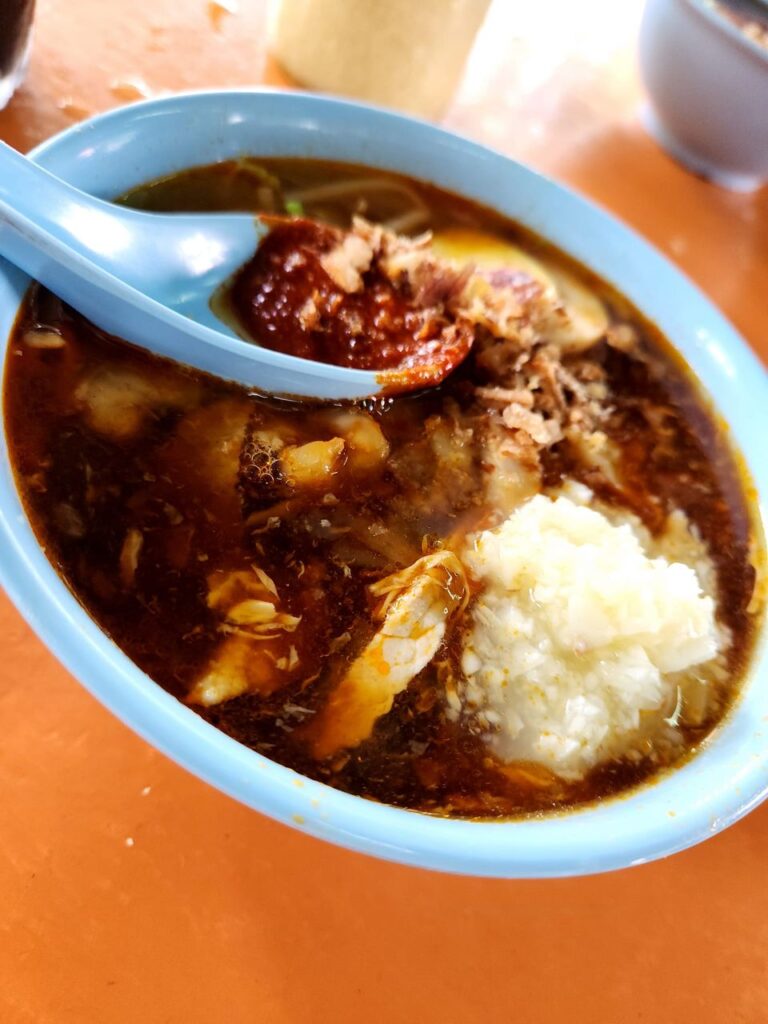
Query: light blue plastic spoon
{"x": 149, "y": 278}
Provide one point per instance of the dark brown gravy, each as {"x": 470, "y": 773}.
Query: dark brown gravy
{"x": 169, "y": 481}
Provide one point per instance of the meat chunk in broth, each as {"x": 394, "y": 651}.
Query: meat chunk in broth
{"x": 257, "y": 654}
{"x": 415, "y": 608}
{"x": 117, "y": 401}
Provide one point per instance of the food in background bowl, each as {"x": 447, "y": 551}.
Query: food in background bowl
{"x": 707, "y": 81}
{"x": 530, "y": 587}
{"x": 750, "y": 20}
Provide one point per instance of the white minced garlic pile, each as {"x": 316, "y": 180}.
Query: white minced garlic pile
{"x": 579, "y": 636}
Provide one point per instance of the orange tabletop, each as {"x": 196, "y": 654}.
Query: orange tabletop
{"x": 132, "y": 892}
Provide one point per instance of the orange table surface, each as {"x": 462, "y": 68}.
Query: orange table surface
{"x": 129, "y": 890}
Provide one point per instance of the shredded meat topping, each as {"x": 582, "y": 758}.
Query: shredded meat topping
{"x": 531, "y": 389}
{"x": 544, "y": 432}
{"x": 505, "y": 396}
{"x": 507, "y": 303}
{"x": 389, "y": 300}
{"x": 346, "y": 263}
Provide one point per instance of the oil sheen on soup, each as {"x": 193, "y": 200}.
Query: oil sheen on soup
{"x": 527, "y": 584}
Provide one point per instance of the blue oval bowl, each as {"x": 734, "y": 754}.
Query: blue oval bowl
{"x": 728, "y": 777}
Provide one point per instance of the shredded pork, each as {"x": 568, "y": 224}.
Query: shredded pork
{"x": 537, "y": 392}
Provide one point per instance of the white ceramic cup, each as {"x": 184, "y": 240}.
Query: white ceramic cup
{"x": 708, "y": 86}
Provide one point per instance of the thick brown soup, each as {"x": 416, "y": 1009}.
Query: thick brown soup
{"x": 247, "y": 553}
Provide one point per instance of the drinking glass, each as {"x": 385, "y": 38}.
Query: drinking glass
{"x": 15, "y": 25}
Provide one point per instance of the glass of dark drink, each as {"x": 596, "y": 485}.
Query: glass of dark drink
{"x": 15, "y": 25}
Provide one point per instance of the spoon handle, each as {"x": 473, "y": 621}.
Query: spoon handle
{"x": 43, "y": 220}
{"x": 49, "y": 228}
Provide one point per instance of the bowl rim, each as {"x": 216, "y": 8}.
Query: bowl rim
{"x": 725, "y": 27}
{"x": 690, "y": 803}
